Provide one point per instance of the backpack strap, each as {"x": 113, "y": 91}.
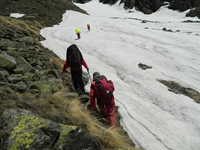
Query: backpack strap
{"x": 99, "y": 78}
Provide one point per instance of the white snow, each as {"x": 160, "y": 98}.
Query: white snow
{"x": 16, "y": 15}
{"x": 154, "y": 117}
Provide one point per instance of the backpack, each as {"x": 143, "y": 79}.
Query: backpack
{"x": 74, "y": 56}
{"x": 103, "y": 87}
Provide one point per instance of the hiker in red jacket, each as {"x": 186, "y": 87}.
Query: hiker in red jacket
{"x": 76, "y": 68}
{"x": 105, "y": 104}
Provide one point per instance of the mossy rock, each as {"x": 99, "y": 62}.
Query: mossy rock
{"x": 7, "y": 62}
{"x": 44, "y": 87}
{"x": 30, "y": 131}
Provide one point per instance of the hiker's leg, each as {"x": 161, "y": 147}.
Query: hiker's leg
{"x": 74, "y": 79}
{"x": 103, "y": 110}
{"x": 111, "y": 116}
{"x": 79, "y": 36}
{"x": 80, "y": 78}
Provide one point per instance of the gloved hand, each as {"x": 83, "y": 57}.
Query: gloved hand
{"x": 63, "y": 72}
{"x": 88, "y": 69}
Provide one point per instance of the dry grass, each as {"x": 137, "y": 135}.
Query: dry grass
{"x": 61, "y": 109}
{"x": 32, "y": 27}
{"x": 82, "y": 117}
{"x": 71, "y": 111}
{"x": 58, "y": 61}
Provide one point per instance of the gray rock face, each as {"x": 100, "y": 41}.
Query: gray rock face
{"x": 24, "y": 65}
{"x": 180, "y": 5}
{"x": 31, "y": 81}
{"x": 150, "y": 6}
{"x": 194, "y": 12}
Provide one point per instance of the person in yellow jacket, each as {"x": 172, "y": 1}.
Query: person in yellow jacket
{"x": 78, "y": 31}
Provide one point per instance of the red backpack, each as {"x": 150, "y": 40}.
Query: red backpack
{"x": 103, "y": 87}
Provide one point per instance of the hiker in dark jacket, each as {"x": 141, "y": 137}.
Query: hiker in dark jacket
{"x": 105, "y": 104}
{"x": 76, "y": 68}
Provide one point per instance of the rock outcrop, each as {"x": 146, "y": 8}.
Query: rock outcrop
{"x": 151, "y": 6}
{"x": 29, "y": 73}
{"x": 27, "y": 130}
{"x": 48, "y": 12}
{"x": 25, "y": 64}
{"x": 30, "y": 117}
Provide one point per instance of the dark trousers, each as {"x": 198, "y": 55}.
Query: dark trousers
{"x": 77, "y": 80}
{"x": 78, "y": 35}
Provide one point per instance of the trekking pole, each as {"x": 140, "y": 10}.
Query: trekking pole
{"x": 89, "y": 76}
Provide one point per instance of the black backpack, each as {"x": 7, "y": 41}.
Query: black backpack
{"x": 103, "y": 87}
{"x": 74, "y": 56}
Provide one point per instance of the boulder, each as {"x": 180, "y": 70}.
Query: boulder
{"x": 24, "y": 65}
{"x": 3, "y": 75}
{"x": 7, "y": 62}
{"x": 27, "y": 130}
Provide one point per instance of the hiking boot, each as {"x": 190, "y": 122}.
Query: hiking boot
{"x": 79, "y": 91}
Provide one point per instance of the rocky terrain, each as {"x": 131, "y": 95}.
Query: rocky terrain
{"x": 38, "y": 106}
{"x": 48, "y": 12}
{"x": 150, "y": 6}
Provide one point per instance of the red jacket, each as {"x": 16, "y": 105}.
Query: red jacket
{"x": 102, "y": 101}
{"x": 92, "y": 94}
{"x": 66, "y": 65}
{"x": 106, "y": 105}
